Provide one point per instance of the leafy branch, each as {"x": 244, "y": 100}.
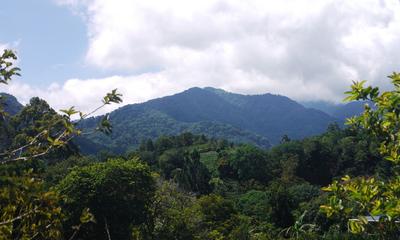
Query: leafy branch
{"x": 42, "y": 143}
{"x": 355, "y": 199}
{"x": 45, "y": 141}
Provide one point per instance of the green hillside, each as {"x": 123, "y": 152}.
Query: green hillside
{"x": 257, "y": 119}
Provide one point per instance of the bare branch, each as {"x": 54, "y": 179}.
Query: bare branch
{"x": 18, "y": 218}
{"x": 67, "y": 134}
{"x": 107, "y": 230}
{"x": 25, "y": 146}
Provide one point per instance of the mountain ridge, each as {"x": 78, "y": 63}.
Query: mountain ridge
{"x": 260, "y": 119}
{"x": 10, "y": 103}
{"x": 257, "y": 117}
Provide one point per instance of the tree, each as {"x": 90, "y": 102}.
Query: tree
{"x": 169, "y": 161}
{"x": 250, "y": 163}
{"x": 285, "y": 138}
{"x": 7, "y": 70}
{"x": 370, "y": 204}
{"x": 27, "y": 209}
{"x": 194, "y": 175}
{"x": 35, "y": 118}
{"x": 315, "y": 166}
{"x": 281, "y": 204}
{"x": 220, "y": 220}
{"x": 255, "y": 204}
{"x": 173, "y": 212}
{"x": 117, "y": 192}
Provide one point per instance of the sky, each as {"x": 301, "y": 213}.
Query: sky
{"x": 72, "y": 52}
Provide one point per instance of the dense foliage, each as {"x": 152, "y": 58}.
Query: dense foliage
{"x": 117, "y": 192}
{"x": 371, "y": 204}
{"x": 189, "y": 186}
{"x": 207, "y": 188}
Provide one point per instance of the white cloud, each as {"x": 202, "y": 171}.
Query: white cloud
{"x": 86, "y": 95}
{"x": 10, "y": 45}
{"x": 3, "y": 46}
{"x": 305, "y": 49}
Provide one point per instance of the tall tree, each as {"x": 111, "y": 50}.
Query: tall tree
{"x": 117, "y": 192}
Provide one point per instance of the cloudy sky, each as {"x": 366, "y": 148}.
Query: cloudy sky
{"x": 74, "y": 51}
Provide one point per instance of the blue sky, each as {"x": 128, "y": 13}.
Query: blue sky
{"x": 72, "y": 52}
{"x": 50, "y": 40}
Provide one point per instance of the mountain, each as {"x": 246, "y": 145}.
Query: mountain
{"x": 350, "y": 109}
{"x": 273, "y": 116}
{"x": 257, "y": 119}
{"x": 327, "y": 107}
{"x": 338, "y": 111}
{"x": 131, "y": 128}
{"x": 10, "y": 104}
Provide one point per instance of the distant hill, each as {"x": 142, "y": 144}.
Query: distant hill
{"x": 130, "y": 129}
{"x": 257, "y": 119}
{"x": 327, "y": 107}
{"x": 338, "y": 111}
{"x": 10, "y": 104}
{"x": 349, "y": 110}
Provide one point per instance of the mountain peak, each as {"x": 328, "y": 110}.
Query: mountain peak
{"x": 215, "y": 90}
{"x": 193, "y": 89}
{"x": 218, "y": 113}
{"x": 10, "y": 103}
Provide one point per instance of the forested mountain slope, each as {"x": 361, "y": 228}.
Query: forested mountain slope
{"x": 254, "y": 119}
{"x": 340, "y": 111}
{"x": 257, "y": 119}
{"x": 10, "y": 104}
